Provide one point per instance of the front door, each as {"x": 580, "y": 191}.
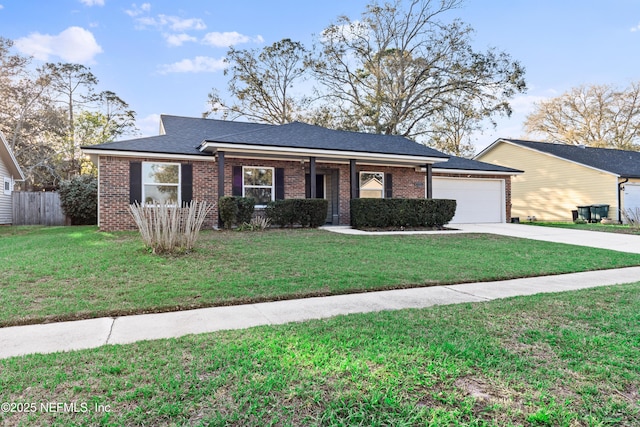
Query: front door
{"x": 326, "y": 188}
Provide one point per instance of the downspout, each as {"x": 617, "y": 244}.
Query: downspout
{"x": 620, "y": 184}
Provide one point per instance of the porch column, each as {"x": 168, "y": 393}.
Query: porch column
{"x": 429, "y": 193}
{"x": 312, "y": 177}
{"x": 220, "y": 174}
{"x": 220, "y": 160}
{"x": 353, "y": 178}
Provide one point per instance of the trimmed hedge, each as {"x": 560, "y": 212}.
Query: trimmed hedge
{"x": 385, "y": 213}
{"x": 305, "y": 212}
{"x": 236, "y": 210}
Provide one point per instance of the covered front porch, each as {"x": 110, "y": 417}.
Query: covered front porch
{"x": 333, "y": 178}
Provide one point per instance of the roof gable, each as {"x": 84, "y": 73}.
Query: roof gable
{"x": 9, "y": 160}
{"x": 619, "y": 162}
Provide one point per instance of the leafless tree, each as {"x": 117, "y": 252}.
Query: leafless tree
{"x": 594, "y": 115}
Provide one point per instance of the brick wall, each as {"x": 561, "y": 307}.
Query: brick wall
{"x": 113, "y": 198}
{"x": 407, "y": 183}
{"x": 293, "y": 174}
{"x": 113, "y": 202}
{"x": 114, "y": 185}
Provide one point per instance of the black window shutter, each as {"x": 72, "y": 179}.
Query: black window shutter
{"x": 186, "y": 183}
{"x": 135, "y": 182}
{"x": 236, "y": 189}
{"x": 388, "y": 186}
{"x": 279, "y": 183}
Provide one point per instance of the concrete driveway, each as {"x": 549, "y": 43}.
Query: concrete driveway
{"x": 595, "y": 239}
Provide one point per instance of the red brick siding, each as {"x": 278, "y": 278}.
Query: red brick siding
{"x": 114, "y": 190}
{"x": 114, "y": 194}
{"x": 406, "y": 183}
{"x": 293, "y": 175}
{"x": 114, "y": 185}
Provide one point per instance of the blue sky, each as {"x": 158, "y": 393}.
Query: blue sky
{"x": 164, "y": 56}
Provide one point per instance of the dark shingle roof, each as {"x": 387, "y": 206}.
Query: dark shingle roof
{"x": 620, "y": 162}
{"x": 301, "y": 135}
{"x": 460, "y": 163}
{"x": 183, "y": 135}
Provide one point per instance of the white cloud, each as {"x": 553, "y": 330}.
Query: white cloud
{"x": 179, "y": 39}
{"x": 149, "y": 125}
{"x": 174, "y": 23}
{"x": 181, "y": 24}
{"x": 229, "y": 39}
{"x": 525, "y": 104}
{"x": 636, "y": 28}
{"x": 200, "y": 64}
{"x": 1, "y": 7}
{"x": 138, "y": 10}
{"x": 92, "y": 2}
{"x": 74, "y": 44}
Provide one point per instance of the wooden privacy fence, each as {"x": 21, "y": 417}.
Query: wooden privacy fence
{"x": 37, "y": 208}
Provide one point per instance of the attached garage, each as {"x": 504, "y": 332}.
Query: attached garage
{"x": 482, "y": 190}
{"x": 478, "y": 200}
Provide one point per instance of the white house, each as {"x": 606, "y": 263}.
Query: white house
{"x": 10, "y": 172}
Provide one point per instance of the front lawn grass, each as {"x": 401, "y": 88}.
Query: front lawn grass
{"x": 607, "y": 228}
{"x": 61, "y": 273}
{"x": 566, "y": 359}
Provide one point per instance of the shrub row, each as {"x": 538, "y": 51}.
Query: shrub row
{"x": 401, "y": 212}
{"x": 236, "y": 210}
{"x": 304, "y": 212}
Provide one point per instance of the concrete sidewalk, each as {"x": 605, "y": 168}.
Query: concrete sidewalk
{"x": 83, "y": 334}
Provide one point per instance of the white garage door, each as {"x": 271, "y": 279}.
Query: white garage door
{"x": 631, "y": 197}
{"x": 479, "y": 200}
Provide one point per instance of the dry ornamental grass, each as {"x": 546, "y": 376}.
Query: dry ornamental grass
{"x": 166, "y": 228}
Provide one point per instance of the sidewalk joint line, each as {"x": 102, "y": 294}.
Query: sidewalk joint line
{"x": 467, "y": 293}
{"x": 113, "y": 322}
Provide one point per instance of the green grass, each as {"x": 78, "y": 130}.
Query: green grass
{"x": 61, "y": 273}
{"x": 566, "y": 359}
{"x": 607, "y": 228}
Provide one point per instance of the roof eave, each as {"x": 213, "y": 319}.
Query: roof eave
{"x": 476, "y": 171}
{"x": 12, "y": 163}
{"x": 214, "y": 147}
{"x": 608, "y": 172}
{"x": 93, "y": 153}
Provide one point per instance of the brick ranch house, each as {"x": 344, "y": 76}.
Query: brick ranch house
{"x": 204, "y": 159}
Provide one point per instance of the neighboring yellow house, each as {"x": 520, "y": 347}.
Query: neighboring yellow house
{"x": 558, "y": 178}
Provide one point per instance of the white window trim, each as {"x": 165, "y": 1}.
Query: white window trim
{"x": 7, "y": 180}
{"x": 179, "y": 184}
{"x": 272, "y": 186}
{"x": 376, "y": 172}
